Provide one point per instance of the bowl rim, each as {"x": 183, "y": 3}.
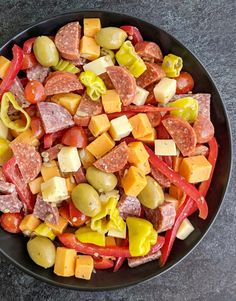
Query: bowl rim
{"x": 211, "y": 222}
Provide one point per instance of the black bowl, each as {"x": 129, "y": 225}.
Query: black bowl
{"x": 14, "y": 246}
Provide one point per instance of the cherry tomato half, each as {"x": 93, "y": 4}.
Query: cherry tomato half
{"x": 37, "y": 127}
{"x": 75, "y": 136}
{"x": 34, "y": 91}
{"x": 184, "y": 83}
{"x": 29, "y": 61}
{"x": 10, "y": 222}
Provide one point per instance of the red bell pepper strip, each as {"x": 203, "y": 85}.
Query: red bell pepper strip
{"x": 146, "y": 108}
{"x": 12, "y": 173}
{"x": 77, "y": 217}
{"x": 102, "y": 263}
{"x": 28, "y": 45}
{"x": 118, "y": 114}
{"x": 120, "y": 260}
{"x": 13, "y": 70}
{"x": 69, "y": 240}
{"x": 167, "y": 160}
{"x": 134, "y": 34}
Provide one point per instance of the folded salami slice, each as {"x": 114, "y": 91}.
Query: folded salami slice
{"x": 10, "y": 203}
{"x": 153, "y": 74}
{"x": 136, "y": 261}
{"x": 204, "y": 129}
{"x": 38, "y": 73}
{"x": 80, "y": 176}
{"x": 18, "y": 91}
{"x": 87, "y": 107}
{"x": 149, "y": 50}
{"x": 54, "y": 117}
{"x": 6, "y": 188}
{"x": 46, "y": 211}
{"x": 129, "y": 206}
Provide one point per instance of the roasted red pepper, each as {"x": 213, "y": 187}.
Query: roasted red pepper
{"x": 102, "y": 263}
{"x": 118, "y": 114}
{"x": 13, "y": 70}
{"x": 28, "y": 45}
{"x": 133, "y": 33}
{"x": 120, "y": 260}
{"x": 146, "y": 108}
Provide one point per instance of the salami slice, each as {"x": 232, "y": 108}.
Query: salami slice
{"x": 153, "y": 74}
{"x": 115, "y": 160}
{"x": 204, "y": 129}
{"x": 6, "y": 188}
{"x": 87, "y": 107}
{"x": 10, "y": 203}
{"x": 38, "y": 73}
{"x": 163, "y": 217}
{"x": 80, "y": 176}
{"x": 129, "y": 206}
{"x": 149, "y": 50}
{"x": 160, "y": 178}
{"x": 28, "y": 160}
{"x": 136, "y": 261}
{"x": 51, "y": 153}
{"x": 62, "y": 82}
{"x": 154, "y": 118}
{"x": 151, "y": 97}
{"x": 201, "y": 150}
{"x": 18, "y": 91}
{"x": 82, "y": 121}
{"x": 107, "y": 81}
{"x": 45, "y": 211}
{"x": 182, "y": 133}
{"x": 123, "y": 82}
{"x": 67, "y": 40}
{"x": 54, "y": 117}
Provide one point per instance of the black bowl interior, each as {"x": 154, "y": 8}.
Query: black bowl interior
{"x": 14, "y": 246}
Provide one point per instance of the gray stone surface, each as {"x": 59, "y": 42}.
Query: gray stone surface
{"x": 208, "y": 28}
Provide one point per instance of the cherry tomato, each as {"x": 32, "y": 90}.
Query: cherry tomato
{"x": 184, "y": 83}
{"x": 37, "y": 127}
{"x": 75, "y": 136}
{"x": 10, "y": 222}
{"x": 77, "y": 217}
{"x": 29, "y": 61}
{"x": 35, "y": 92}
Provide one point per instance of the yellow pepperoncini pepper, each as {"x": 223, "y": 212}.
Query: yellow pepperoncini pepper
{"x": 141, "y": 236}
{"x": 44, "y": 230}
{"x": 105, "y": 197}
{"x": 108, "y": 218}
{"x": 188, "y": 108}
{"x": 86, "y": 235}
{"x": 66, "y": 66}
{"x": 172, "y": 65}
{"x": 8, "y": 98}
{"x": 5, "y": 151}
{"x": 126, "y": 56}
{"x": 105, "y": 52}
{"x": 94, "y": 84}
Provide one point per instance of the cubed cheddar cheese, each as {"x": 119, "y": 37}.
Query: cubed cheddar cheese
{"x": 185, "y": 229}
{"x": 165, "y": 147}
{"x": 4, "y": 65}
{"x": 84, "y": 267}
{"x": 99, "y": 124}
{"x": 110, "y": 241}
{"x": 141, "y": 125}
{"x": 35, "y": 185}
{"x": 195, "y": 169}
{"x": 54, "y": 190}
{"x": 137, "y": 153}
{"x": 140, "y": 96}
{"x": 91, "y": 26}
{"x": 86, "y": 158}
{"x": 68, "y": 159}
{"x": 99, "y": 65}
{"x": 29, "y": 224}
{"x": 50, "y": 170}
{"x": 176, "y": 163}
{"x": 176, "y": 192}
{"x": 101, "y": 145}
{"x": 134, "y": 181}
{"x": 111, "y": 102}
{"x": 117, "y": 234}
{"x": 165, "y": 90}
{"x": 89, "y": 49}
{"x": 65, "y": 262}
{"x": 69, "y": 101}
{"x": 19, "y": 123}
{"x": 60, "y": 227}
{"x": 149, "y": 137}
{"x": 144, "y": 167}
{"x": 120, "y": 128}
{"x": 70, "y": 183}
{"x": 27, "y": 137}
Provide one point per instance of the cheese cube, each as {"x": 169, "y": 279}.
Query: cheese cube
{"x": 116, "y": 233}
{"x": 99, "y": 65}
{"x": 144, "y": 167}
{"x": 91, "y": 26}
{"x": 111, "y": 101}
{"x": 4, "y": 65}
{"x": 149, "y": 137}
{"x": 54, "y": 190}
{"x": 84, "y": 267}
{"x": 134, "y": 181}
{"x": 141, "y": 125}
{"x": 110, "y": 241}
{"x": 89, "y": 49}
{"x": 165, "y": 147}
{"x": 101, "y": 145}
{"x": 70, "y": 101}
{"x": 87, "y": 159}
{"x": 175, "y": 192}
{"x": 99, "y": 124}
{"x": 172, "y": 200}
{"x": 137, "y": 153}
{"x": 68, "y": 159}
{"x": 140, "y": 96}
{"x": 27, "y": 137}
{"x": 3, "y": 130}
{"x": 195, "y": 169}
{"x": 70, "y": 183}
{"x": 29, "y": 224}
{"x": 165, "y": 90}
{"x": 50, "y": 170}
{"x": 65, "y": 262}
{"x": 185, "y": 229}
{"x": 35, "y": 185}
{"x": 120, "y": 128}
{"x": 60, "y": 227}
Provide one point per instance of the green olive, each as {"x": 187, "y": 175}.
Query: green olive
{"x": 102, "y": 181}
{"x": 45, "y": 51}
{"x": 152, "y": 195}
{"x": 86, "y": 199}
{"x": 110, "y": 37}
{"x": 42, "y": 251}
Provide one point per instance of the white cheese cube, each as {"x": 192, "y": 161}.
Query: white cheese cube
{"x": 54, "y": 190}
{"x": 68, "y": 159}
{"x": 3, "y": 130}
{"x": 140, "y": 96}
{"x": 99, "y": 66}
{"x": 185, "y": 229}
{"x": 165, "y": 147}
{"x": 120, "y": 128}
{"x": 165, "y": 90}
{"x": 116, "y": 233}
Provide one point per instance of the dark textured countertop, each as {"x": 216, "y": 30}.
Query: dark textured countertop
{"x": 208, "y": 28}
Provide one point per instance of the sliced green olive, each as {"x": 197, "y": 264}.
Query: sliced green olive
{"x": 45, "y": 51}
{"x": 110, "y": 37}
